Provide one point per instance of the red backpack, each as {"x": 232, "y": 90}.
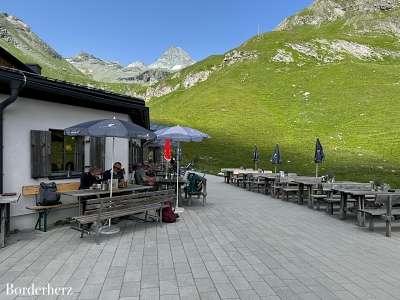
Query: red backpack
{"x": 168, "y": 215}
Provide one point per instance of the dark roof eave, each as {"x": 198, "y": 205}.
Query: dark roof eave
{"x": 40, "y": 83}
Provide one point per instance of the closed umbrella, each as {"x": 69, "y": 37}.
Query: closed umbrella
{"x": 110, "y": 128}
{"x": 319, "y": 155}
{"x": 276, "y": 157}
{"x": 256, "y": 157}
{"x": 167, "y": 155}
{"x": 180, "y": 134}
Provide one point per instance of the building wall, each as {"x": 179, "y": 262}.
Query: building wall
{"x": 27, "y": 114}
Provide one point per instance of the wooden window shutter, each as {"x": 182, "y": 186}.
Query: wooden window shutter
{"x": 131, "y": 153}
{"x": 135, "y": 154}
{"x": 97, "y": 152}
{"x": 80, "y": 154}
{"x": 40, "y": 153}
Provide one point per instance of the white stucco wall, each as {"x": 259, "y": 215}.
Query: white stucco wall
{"x": 27, "y": 114}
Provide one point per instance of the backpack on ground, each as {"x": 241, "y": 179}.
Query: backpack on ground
{"x": 48, "y": 194}
{"x": 168, "y": 215}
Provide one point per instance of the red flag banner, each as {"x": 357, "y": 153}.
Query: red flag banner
{"x": 167, "y": 150}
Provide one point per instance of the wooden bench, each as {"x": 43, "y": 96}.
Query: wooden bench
{"x": 43, "y": 211}
{"x": 374, "y": 213}
{"x": 257, "y": 183}
{"x": 317, "y": 199}
{"x": 333, "y": 200}
{"x": 101, "y": 209}
{"x": 290, "y": 190}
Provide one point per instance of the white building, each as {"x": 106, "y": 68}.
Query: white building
{"x": 34, "y": 111}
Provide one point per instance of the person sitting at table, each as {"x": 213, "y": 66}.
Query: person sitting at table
{"x": 118, "y": 172}
{"x": 89, "y": 178}
{"x": 140, "y": 176}
{"x": 173, "y": 165}
{"x": 149, "y": 170}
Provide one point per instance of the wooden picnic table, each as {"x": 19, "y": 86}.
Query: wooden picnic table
{"x": 78, "y": 195}
{"x": 5, "y": 203}
{"x": 171, "y": 182}
{"x": 360, "y": 196}
{"x": 358, "y": 191}
{"x": 83, "y": 195}
{"x": 305, "y": 182}
{"x": 388, "y": 199}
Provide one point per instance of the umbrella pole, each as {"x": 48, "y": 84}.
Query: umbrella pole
{"x": 112, "y": 175}
{"x": 275, "y": 169}
{"x": 177, "y": 208}
{"x": 316, "y": 170}
{"x": 177, "y": 176}
{"x": 108, "y": 229}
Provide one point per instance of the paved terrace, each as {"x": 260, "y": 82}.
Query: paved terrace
{"x": 242, "y": 245}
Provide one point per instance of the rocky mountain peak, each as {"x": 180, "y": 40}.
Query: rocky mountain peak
{"x": 360, "y": 15}
{"x": 17, "y": 33}
{"x": 84, "y": 56}
{"x": 16, "y": 22}
{"x": 137, "y": 64}
{"x": 174, "y": 59}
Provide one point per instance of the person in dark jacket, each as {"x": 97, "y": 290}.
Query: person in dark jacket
{"x": 118, "y": 171}
{"x": 89, "y": 178}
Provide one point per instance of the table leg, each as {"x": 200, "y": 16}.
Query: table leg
{"x": 343, "y": 205}
{"x": 180, "y": 194}
{"x": 389, "y": 218}
{"x": 310, "y": 200}
{"x": 2, "y": 226}
{"x": 301, "y": 194}
{"x": 362, "y": 213}
{"x": 80, "y": 208}
{"x": 359, "y": 206}
{"x": 8, "y": 219}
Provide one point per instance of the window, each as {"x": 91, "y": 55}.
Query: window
{"x": 135, "y": 153}
{"x": 55, "y": 156}
{"x": 65, "y": 154}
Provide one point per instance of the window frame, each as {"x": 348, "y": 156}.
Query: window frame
{"x": 64, "y": 175}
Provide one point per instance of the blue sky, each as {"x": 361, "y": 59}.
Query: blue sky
{"x": 128, "y": 30}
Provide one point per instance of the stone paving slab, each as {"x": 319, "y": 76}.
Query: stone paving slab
{"x": 241, "y": 245}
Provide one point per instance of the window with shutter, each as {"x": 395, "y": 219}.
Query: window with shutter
{"x": 56, "y": 156}
{"x": 135, "y": 153}
{"x": 67, "y": 155}
{"x": 97, "y": 152}
{"x": 40, "y": 153}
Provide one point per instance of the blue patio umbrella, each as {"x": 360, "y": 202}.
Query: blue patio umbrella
{"x": 110, "y": 128}
{"x": 276, "y": 156}
{"x": 256, "y": 156}
{"x": 319, "y": 155}
{"x": 180, "y": 134}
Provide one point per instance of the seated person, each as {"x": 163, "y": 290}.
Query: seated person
{"x": 89, "y": 178}
{"x": 173, "y": 165}
{"x": 140, "y": 176}
{"x": 149, "y": 170}
{"x": 118, "y": 173}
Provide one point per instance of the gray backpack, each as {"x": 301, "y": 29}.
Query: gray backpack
{"x": 48, "y": 194}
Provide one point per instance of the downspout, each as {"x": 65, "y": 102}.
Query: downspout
{"x": 15, "y": 87}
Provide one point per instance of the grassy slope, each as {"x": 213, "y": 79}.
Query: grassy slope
{"x": 62, "y": 70}
{"x": 353, "y": 108}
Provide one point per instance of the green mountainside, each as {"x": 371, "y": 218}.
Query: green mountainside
{"x": 322, "y": 76}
